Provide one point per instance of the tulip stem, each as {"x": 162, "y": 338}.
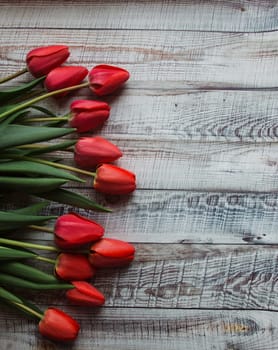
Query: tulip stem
{"x": 43, "y": 258}
{"x": 29, "y": 310}
{"x": 41, "y": 228}
{"x": 27, "y": 245}
{"x": 40, "y": 98}
{"x": 61, "y": 166}
{"x": 14, "y": 75}
{"x": 45, "y": 119}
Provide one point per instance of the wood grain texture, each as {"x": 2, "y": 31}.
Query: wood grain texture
{"x": 236, "y": 16}
{"x": 198, "y": 277}
{"x": 185, "y": 216}
{"x": 187, "y": 276}
{"x": 197, "y": 124}
{"x": 198, "y": 166}
{"x": 170, "y": 114}
{"x": 178, "y": 115}
{"x": 168, "y": 59}
{"x": 155, "y": 329}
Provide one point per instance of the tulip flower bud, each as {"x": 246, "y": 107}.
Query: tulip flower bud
{"x": 85, "y": 294}
{"x": 88, "y": 115}
{"x": 42, "y": 60}
{"x": 111, "y": 179}
{"x": 73, "y": 230}
{"x": 105, "y": 79}
{"x": 110, "y": 252}
{"x": 92, "y": 151}
{"x": 63, "y": 77}
{"x": 59, "y": 326}
{"x": 73, "y": 267}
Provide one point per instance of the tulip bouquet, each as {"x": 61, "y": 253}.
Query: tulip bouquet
{"x": 30, "y": 166}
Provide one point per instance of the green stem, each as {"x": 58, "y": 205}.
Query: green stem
{"x": 27, "y": 245}
{"x": 14, "y": 75}
{"x": 48, "y": 118}
{"x": 28, "y": 309}
{"x": 45, "y": 119}
{"x": 43, "y": 258}
{"x": 40, "y": 98}
{"x": 61, "y": 166}
{"x": 41, "y": 228}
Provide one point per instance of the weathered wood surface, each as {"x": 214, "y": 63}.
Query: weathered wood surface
{"x": 200, "y": 166}
{"x": 144, "y": 328}
{"x": 187, "y": 217}
{"x": 188, "y": 276}
{"x": 197, "y": 122}
{"x": 174, "y": 60}
{"x": 201, "y": 15}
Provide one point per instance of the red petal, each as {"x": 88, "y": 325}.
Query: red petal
{"x": 85, "y": 294}
{"x": 113, "y": 248}
{"x": 101, "y": 261}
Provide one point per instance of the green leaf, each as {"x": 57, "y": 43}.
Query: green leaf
{"x": 52, "y": 148}
{"x": 6, "y": 216}
{"x": 13, "y": 281}
{"x": 7, "y": 253}
{"x": 6, "y": 295}
{"x": 29, "y": 185}
{"x": 16, "y": 135}
{"x": 12, "y": 153}
{"x": 13, "y": 220}
{"x": 10, "y": 119}
{"x": 70, "y": 198}
{"x": 6, "y": 95}
{"x": 32, "y": 209}
{"x": 6, "y": 108}
{"x": 44, "y": 110}
{"x": 28, "y": 272}
{"x": 20, "y": 303}
{"x": 26, "y": 167}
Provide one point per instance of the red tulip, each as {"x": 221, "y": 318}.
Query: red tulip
{"x": 105, "y": 79}
{"x": 88, "y": 115}
{"x": 110, "y": 252}
{"x": 73, "y": 267}
{"x": 59, "y": 326}
{"x": 73, "y": 230}
{"x": 111, "y": 179}
{"x": 63, "y": 77}
{"x": 91, "y": 151}
{"x": 85, "y": 294}
{"x": 42, "y": 60}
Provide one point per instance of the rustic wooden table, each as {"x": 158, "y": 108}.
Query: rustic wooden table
{"x": 197, "y": 123}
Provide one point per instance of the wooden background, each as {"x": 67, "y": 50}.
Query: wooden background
{"x": 197, "y": 123}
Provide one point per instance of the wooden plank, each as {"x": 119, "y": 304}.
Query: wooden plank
{"x": 237, "y": 116}
{"x": 177, "y": 115}
{"x": 214, "y": 277}
{"x": 236, "y": 16}
{"x": 198, "y": 166}
{"x": 185, "y": 216}
{"x": 189, "y": 277}
{"x": 168, "y": 59}
{"x": 155, "y": 329}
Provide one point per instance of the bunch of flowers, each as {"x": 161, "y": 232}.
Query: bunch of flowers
{"x": 29, "y": 165}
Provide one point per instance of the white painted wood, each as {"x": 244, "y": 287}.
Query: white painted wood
{"x": 154, "y": 329}
{"x": 236, "y": 16}
{"x": 179, "y": 115}
{"x": 189, "y": 277}
{"x": 197, "y": 166}
{"x": 155, "y": 59}
{"x": 213, "y": 277}
{"x": 249, "y": 116}
{"x": 184, "y": 216}
{"x": 206, "y": 163}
